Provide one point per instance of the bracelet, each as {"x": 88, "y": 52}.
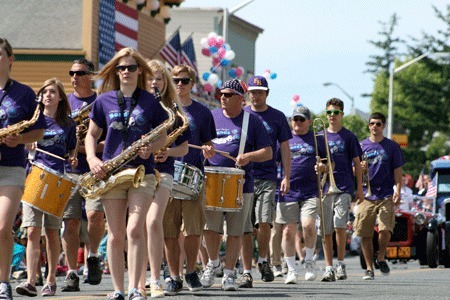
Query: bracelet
{"x": 90, "y": 158}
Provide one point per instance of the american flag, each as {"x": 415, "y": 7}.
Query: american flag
{"x": 432, "y": 188}
{"x": 118, "y": 28}
{"x": 188, "y": 54}
{"x": 171, "y": 50}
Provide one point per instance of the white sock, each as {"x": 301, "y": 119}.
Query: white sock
{"x": 309, "y": 254}
{"x": 247, "y": 272}
{"x": 290, "y": 263}
{"x": 228, "y": 272}
{"x": 92, "y": 254}
{"x": 262, "y": 259}
{"x": 340, "y": 262}
{"x": 328, "y": 268}
{"x": 215, "y": 262}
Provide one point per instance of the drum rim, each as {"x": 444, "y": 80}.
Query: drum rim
{"x": 54, "y": 172}
{"x": 216, "y": 169}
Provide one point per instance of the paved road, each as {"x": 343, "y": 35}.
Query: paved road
{"x": 406, "y": 281}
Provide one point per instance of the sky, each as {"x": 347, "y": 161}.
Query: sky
{"x": 307, "y": 43}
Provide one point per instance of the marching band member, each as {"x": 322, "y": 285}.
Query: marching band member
{"x": 17, "y": 104}
{"x": 59, "y": 139}
{"x": 126, "y": 112}
{"x": 188, "y": 216}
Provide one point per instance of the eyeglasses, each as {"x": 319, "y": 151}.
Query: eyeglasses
{"x": 334, "y": 112}
{"x": 376, "y": 123}
{"x": 227, "y": 95}
{"x": 299, "y": 119}
{"x": 131, "y": 68}
{"x": 184, "y": 81}
{"x": 78, "y": 73}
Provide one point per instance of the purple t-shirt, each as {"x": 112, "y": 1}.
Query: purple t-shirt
{"x": 383, "y": 158}
{"x": 203, "y": 130}
{"x": 303, "y": 159}
{"x": 18, "y": 104}
{"x": 344, "y": 147}
{"x": 58, "y": 140}
{"x": 279, "y": 131}
{"x": 147, "y": 115}
{"x": 168, "y": 165}
{"x": 228, "y": 140}
{"x": 75, "y": 104}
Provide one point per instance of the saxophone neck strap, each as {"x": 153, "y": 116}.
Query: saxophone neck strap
{"x": 121, "y": 103}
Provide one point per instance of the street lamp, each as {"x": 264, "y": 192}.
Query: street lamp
{"x": 392, "y": 71}
{"x": 347, "y": 94}
{"x": 226, "y": 14}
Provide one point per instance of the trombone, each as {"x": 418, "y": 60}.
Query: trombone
{"x": 365, "y": 177}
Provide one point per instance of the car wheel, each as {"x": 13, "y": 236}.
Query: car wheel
{"x": 432, "y": 249}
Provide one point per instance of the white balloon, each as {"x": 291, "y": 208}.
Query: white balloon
{"x": 213, "y": 78}
{"x": 212, "y": 34}
{"x": 165, "y": 12}
{"x": 229, "y": 55}
{"x": 204, "y": 42}
{"x": 154, "y": 5}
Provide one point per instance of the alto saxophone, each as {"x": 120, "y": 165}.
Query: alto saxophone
{"x": 178, "y": 131}
{"x": 92, "y": 187}
{"x": 20, "y": 126}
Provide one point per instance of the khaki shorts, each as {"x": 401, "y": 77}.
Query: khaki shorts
{"x": 12, "y": 176}
{"x": 166, "y": 181}
{"x": 33, "y": 217}
{"x": 367, "y": 214}
{"x": 292, "y": 212}
{"x": 335, "y": 211}
{"x": 148, "y": 186}
{"x": 73, "y": 208}
{"x": 235, "y": 220}
{"x": 187, "y": 216}
{"x": 264, "y": 199}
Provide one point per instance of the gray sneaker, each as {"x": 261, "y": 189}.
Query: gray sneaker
{"x": 229, "y": 282}
{"x": 368, "y": 275}
{"x": 341, "y": 274}
{"x": 209, "y": 275}
{"x": 329, "y": 276}
{"x": 26, "y": 289}
{"x": 277, "y": 271}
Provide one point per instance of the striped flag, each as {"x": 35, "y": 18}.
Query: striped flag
{"x": 432, "y": 188}
{"x": 118, "y": 28}
{"x": 171, "y": 50}
{"x": 188, "y": 54}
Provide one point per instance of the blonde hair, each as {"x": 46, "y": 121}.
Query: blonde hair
{"x": 63, "y": 111}
{"x": 109, "y": 77}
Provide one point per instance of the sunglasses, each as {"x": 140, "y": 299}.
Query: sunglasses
{"x": 299, "y": 119}
{"x": 334, "y": 112}
{"x": 227, "y": 95}
{"x": 184, "y": 81}
{"x": 376, "y": 123}
{"x": 78, "y": 73}
{"x": 131, "y": 68}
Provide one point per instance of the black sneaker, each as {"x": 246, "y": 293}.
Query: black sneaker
{"x": 26, "y": 289}
{"x": 115, "y": 296}
{"x": 39, "y": 281}
{"x": 173, "y": 287}
{"x": 94, "y": 275}
{"x": 266, "y": 272}
{"x": 5, "y": 291}
{"x": 245, "y": 281}
{"x": 72, "y": 283}
{"x": 193, "y": 282}
{"x": 384, "y": 268}
{"x": 368, "y": 275}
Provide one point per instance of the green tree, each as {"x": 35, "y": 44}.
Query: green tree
{"x": 438, "y": 146}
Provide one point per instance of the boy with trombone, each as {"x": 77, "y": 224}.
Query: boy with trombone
{"x": 382, "y": 168}
{"x": 344, "y": 150}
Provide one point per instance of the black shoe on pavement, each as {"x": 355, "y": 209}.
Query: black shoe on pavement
{"x": 193, "y": 282}
{"x": 368, "y": 275}
{"x": 245, "y": 281}
{"x": 94, "y": 275}
{"x": 72, "y": 283}
{"x": 384, "y": 268}
{"x": 266, "y": 272}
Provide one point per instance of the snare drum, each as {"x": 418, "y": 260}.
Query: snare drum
{"x": 187, "y": 181}
{"x": 47, "y": 190}
{"x": 224, "y": 188}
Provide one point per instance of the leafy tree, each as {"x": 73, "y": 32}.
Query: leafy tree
{"x": 438, "y": 146}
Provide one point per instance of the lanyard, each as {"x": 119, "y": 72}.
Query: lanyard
{"x": 121, "y": 102}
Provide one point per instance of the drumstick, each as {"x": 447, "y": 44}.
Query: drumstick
{"x": 226, "y": 154}
{"x": 50, "y": 154}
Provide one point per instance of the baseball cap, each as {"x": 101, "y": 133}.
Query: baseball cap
{"x": 258, "y": 83}
{"x": 302, "y": 111}
{"x": 238, "y": 86}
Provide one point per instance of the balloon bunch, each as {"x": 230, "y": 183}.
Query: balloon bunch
{"x": 211, "y": 80}
{"x": 295, "y": 102}
{"x": 236, "y": 72}
{"x": 269, "y": 75}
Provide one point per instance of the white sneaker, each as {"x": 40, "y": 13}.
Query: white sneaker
{"x": 277, "y": 271}
{"x": 310, "y": 274}
{"x": 209, "y": 275}
{"x": 291, "y": 278}
{"x": 229, "y": 282}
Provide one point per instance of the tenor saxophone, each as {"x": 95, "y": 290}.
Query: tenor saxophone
{"x": 20, "y": 126}
{"x": 178, "y": 131}
{"x": 92, "y": 187}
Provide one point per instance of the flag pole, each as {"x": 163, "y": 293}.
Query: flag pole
{"x": 166, "y": 41}
{"x": 185, "y": 40}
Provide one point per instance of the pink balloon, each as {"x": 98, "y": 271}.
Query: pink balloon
{"x": 238, "y": 72}
{"x": 216, "y": 61}
{"x": 206, "y": 52}
{"x": 208, "y": 87}
{"x": 220, "y": 41}
{"x": 296, "y": 97}
{"x": 267, "y": 71}
{"x": 221, "y": 52}
{"x": 211, "y": 41}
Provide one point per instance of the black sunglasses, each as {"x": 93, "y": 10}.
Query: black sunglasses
{"x": 376, "y": 123}
{"x": 131, "y": 68}
{"x": 79, "y": 73}
{"x": 334, "y": 112}
{"x": 298, "y": 118}
{"x": 182, "y": 80}
{"x": 227, "y": 95}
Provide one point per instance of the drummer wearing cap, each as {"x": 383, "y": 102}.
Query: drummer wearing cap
{"x": 230, "y": 122}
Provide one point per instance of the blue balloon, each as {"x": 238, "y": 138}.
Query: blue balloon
{"x": 219, "y": 83}
{"x": 205, "y": 76}
{"x": 232, "y": 73}
{"x": 213, "y": 49}
{"x": 224, "y": 62}
{"x": 273, "y": 75}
